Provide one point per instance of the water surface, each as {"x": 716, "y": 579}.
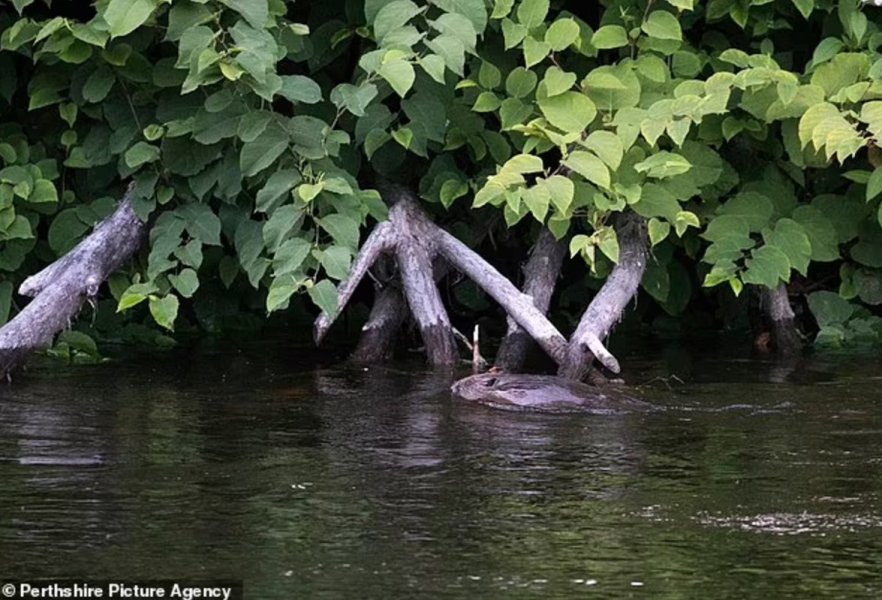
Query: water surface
{"x": 761, "y": 479}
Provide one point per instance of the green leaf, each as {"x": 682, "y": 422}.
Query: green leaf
{"x": 263, "y": 151}
{"x": 562, "y": 34}
{"x": 606, "y": 145}
{"x": 252, "y": 124}
{"x": 608, "y": 242}
{"x": 336, "y": 261}
{"x": 489, "y": 76}
{"x": 658, "y": 230}
{"x": 512, "y": 33}
{"x": 656, "y": 201}
{"x": 392, "y": 16}
{"x": 124, "y": 16}
{"x": 256, "y": 12}
{"x": 200, "y": 222}
{"x": 342, "y": 228}
{"x": 571, "y": 112}
{"x": 609, "y": 36}
{"x": 457, "y": 26}
{"x": 501, "y": 8}
{"x": 186, "y": 282}
{"x": 520, "y": 82}
{"x": 767, "y": 266}
{"x": 165, "y": 310}
{"x": 531, "y": 13}
{"x": 829, "y": 308}
{"x": 663, "y": 164}
{"x": 290, "y": 256}
{"x": 821, "y": 233}
{"x": 44, "y": 191}
{"x": 354, "y": 98}
{"x": 68, "y": 112}
{"x": 557, "y": 81}
{"x": 662, "y": 25}
{"x": 141, "y": 153}
{"x": 135, "y": 294}
{"x": 7, "y": 153}
{"x": 790, "y": 237}
{"x": 5, "y": 301}
{"x": 538, "y": 200}
{"x": 473, "y": 10}
{"x": 535, "y": 51}
{"x": 486, "y": 102}
{"x": 228, "y": 269}
{"x": 433, "y": 65}
{"x": 590, "y": 167}
{"x": 404, "y": 137}
{"x": 874, "y": 184}
{"x": 190, "y": 254}
{"x": 451, "y": 50}
{"x": 755, "y": 208}
{"x": 451, "y": 190}
{"x": 805, "y": 7}
{"x": 20, "y": 5}
{"x": 276, "y": 187}
{"x": 298, "y": 88}
{"x": 399, "y": 74}
{"x": 308, "y": 191}
{"x": 523, "y": 163}
{"x": 66, "y": 230}
{"x": 98, "y": 84}
{"x": 324, "y": 295}
{"x": 280, "y": 292}
{"x": 561, "y": 190}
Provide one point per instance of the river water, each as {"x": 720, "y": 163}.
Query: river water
{"x": 759, "y": 479}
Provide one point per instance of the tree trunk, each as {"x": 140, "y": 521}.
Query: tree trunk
{"x": 776, "y": 310}
{"x": 59, "y": 290}
{"x": 607, "y": 307}
{"x": 540, "y": 277}
{"x": 377, "y": 340}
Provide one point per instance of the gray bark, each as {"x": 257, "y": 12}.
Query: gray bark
{"x": 540, "y": 277}
{"x": 381, "y": 239}
{"x": 609, "y": 304}
{"x": 59, "y": 290}
{"x": 776, "y": 307}
{"x": 517, "y": 304}
{"x": 377, "y": 340}
{"x": 415, "y": 254}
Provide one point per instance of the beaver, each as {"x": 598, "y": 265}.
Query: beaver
{"x": 545, "y": 393}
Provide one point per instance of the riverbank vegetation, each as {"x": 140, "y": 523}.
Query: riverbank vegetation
{"x": 677, "y": 162}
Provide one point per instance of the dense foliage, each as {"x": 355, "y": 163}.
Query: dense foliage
{"x": 744, "y": 131}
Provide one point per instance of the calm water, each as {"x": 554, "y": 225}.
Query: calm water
{"x": 761, "y": 480}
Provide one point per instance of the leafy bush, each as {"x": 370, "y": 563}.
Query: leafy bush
{"x": 745, "y": 132}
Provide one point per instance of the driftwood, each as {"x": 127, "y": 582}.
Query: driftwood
{"x": 59, "y": 290}
{"x": 417, "y": 243}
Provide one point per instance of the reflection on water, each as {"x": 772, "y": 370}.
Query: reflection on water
{"x": 757, "y": 479}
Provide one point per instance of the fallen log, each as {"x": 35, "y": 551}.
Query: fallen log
{"x": 59, "y": 290}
